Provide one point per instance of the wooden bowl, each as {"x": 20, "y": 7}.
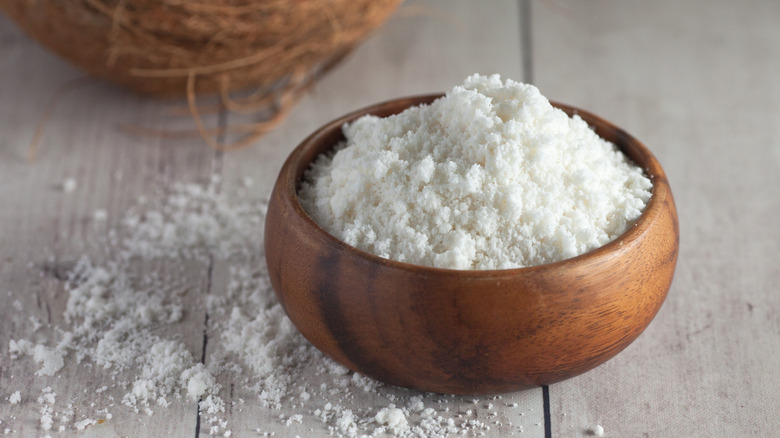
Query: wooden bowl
{"x": 468, "y": 332}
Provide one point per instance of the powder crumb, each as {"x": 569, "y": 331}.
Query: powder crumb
{"x": 100, "y": 215}
{"x": 46, "y": 421}
{"x": 47, "y": 400}
{"x": 212, "y": 405}
{"x": 15, "y": 398}
{"x": 69, "y": 185}
{"x": 297, "y": 418}
{"x": 35, "y": 323}
{"x": 598, "y": 430}
{"x": 347, "y": 423}
{"x": 392, "y": 417}
{"x": 83, "y": 424}
{"x": 199, "y": 381}
{"x": 51, "y": 360}
{"x": 416, "y": 404}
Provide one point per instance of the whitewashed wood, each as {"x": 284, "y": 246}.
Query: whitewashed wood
{"x": 44, "y": 229}
{"x": 697, "y": 82}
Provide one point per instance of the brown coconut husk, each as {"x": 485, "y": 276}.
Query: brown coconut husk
{"x": 177, "y": 48}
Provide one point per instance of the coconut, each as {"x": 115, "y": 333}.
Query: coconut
{"x": 175, "y": 48}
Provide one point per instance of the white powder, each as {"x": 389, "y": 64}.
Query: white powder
{"x": 598, "y": 430}
{"x": 83, "y": 424}
{"x": 15, "y": 398}
{"x": 489, "y": 177}
{"x": 51, "y": 359}
{"x": 393, "y": 417}
{"x": 199, "y": 382}
{"x": 46, "y": 401}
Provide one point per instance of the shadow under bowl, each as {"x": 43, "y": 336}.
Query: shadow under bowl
{"x": 468, "y": 332}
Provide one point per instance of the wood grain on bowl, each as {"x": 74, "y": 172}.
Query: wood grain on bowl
{"x": 468, "y": 332}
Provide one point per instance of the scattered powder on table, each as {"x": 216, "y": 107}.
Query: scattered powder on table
{"x": 50, "y": 358}
{"x": 46, "y": 401}
{"x": 126, "y": 320}
{"x": 491, "y": 176}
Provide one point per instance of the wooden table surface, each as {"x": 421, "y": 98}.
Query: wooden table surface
{"x": 696, "y": 81}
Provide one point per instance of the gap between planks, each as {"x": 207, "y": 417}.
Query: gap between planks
{"x": 217, "y": 170}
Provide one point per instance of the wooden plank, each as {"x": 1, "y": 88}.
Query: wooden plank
{"x": 431, "y": 50}
{"x": 696, "y": 82}
{"x": 45, "y": 229}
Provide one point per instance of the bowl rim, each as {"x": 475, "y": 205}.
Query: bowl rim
{"x": 660, "y": 192}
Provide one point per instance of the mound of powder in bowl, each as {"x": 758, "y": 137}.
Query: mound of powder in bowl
{"x": 491, "y": 176}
